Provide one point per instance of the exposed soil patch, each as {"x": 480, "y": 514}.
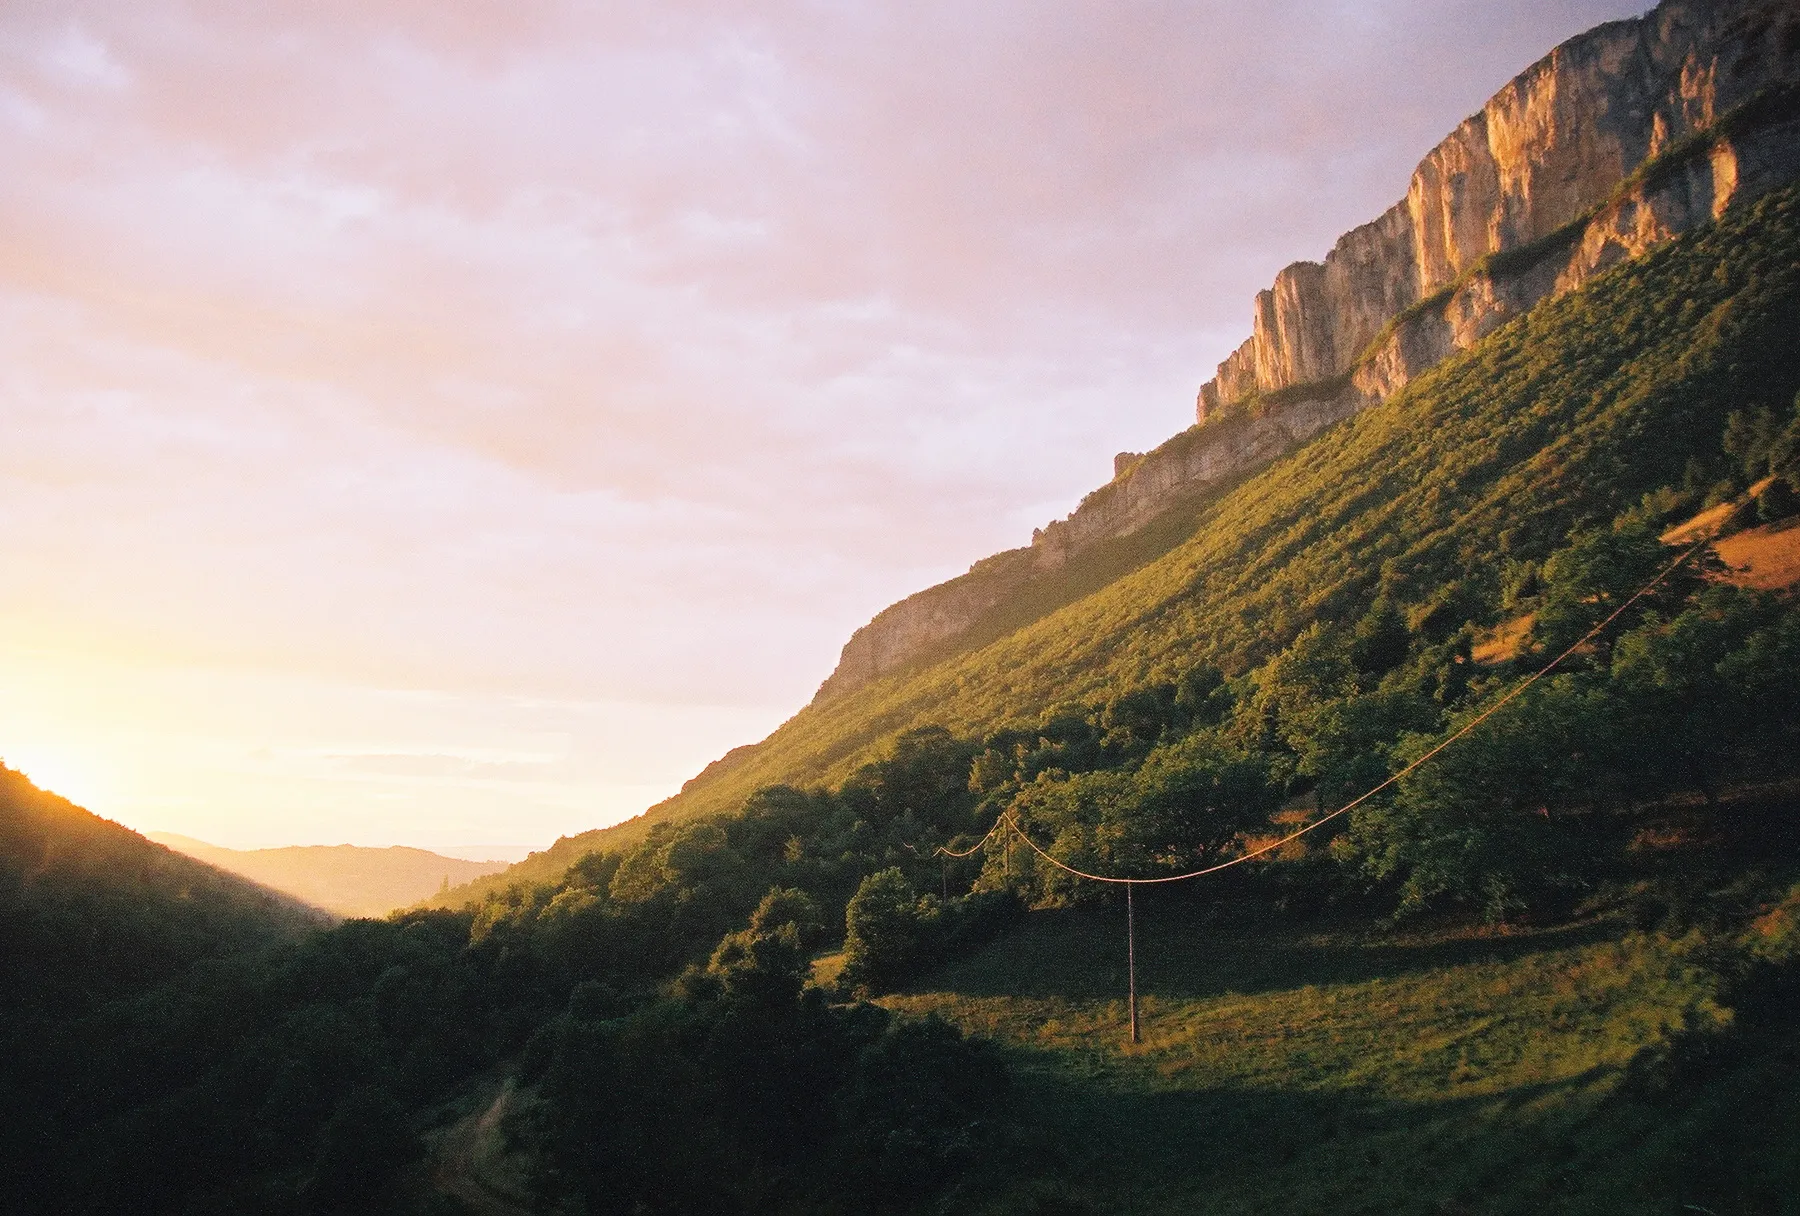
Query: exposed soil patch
{"x": 1765, "y": 558}
{"x": 1505, "y": 642}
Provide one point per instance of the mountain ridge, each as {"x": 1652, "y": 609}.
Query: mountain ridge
{"x": 930, "y": 635}
{"x": 1629, "y": 380}
{"x": 348, "y": 880}
{"x": 1617, "y": 140}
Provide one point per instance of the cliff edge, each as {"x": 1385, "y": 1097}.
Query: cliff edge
{"x": 1616, "y": 141}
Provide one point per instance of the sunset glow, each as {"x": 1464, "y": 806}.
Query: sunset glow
{"x": 450, "y": 424}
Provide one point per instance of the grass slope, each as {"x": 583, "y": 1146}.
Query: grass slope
{"x": 1558, "y": 420}
{"x": 1336, "y": 1066}
{"x": 1288, "y": 1072}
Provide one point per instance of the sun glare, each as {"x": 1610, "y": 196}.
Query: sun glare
{"x": 67, "y": 772}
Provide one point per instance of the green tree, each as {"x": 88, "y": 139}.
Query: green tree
{"x": 362, "y": 1147}
{"x": 921, "y": 1106}
{"x": 1380, "y": 640}
{"x": 769, "y": 961}
{"x": 1484, "y": 823}
{"x": 881, "y": 936}
{"x": 1189, "y": 802}
{"x": 1750, "y": 439}
{"x": 1594, "y": 575}
{"x": 1141, "y": 715}
{"x": 1203, "y": 695}
{"x": 1784, "y": 448}
{"x": 1348, "y": 746}
{"x": 1690, "y": 709}
{"x": 1778, "y": 502}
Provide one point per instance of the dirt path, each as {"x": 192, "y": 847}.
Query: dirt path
{"x": 466, "y": 1147}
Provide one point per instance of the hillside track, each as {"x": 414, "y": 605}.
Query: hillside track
{"x": 458, "y": 1171}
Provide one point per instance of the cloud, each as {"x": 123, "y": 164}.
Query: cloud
{"x": 637, "y": 351}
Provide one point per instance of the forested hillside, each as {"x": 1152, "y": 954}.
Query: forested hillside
{"x": 95, "y": 922}
{"x": 64, "y": 871}
{"x": 1437, "y": 509}
{"x": 1555, "y": 968}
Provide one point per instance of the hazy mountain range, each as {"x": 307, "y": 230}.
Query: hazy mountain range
{"x": 349, "y": 880}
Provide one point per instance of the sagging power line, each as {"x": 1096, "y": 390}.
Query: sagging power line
{"x": 1008, "y": 821}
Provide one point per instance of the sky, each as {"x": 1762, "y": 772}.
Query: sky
{"x": 453, "y": 424}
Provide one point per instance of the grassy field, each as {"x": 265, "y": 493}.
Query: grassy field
{"x": 1284, "y": 1069}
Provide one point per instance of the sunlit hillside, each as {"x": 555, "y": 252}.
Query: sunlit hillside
{"x": 1406, "y": 820}
{"x": 1551, "y": 966}
{"x": 1435, "y": 502}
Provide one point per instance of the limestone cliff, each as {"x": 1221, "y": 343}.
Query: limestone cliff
{"x": 1614, "y": 142}
{"x": 1540, "y": 156}
{"x": 904, "y": 631}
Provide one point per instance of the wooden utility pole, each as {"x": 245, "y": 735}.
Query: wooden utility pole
{"x": 1131, "y": 956}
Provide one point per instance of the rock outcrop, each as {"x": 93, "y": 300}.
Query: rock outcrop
{"x": 1547, "y": 150}
{"x": 1616, "y": 141}
{"x": 903, "y": 632}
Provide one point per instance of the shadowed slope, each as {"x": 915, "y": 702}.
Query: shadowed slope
{"x": 90, "y": 910}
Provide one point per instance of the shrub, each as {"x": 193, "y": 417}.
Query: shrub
{"x": 881, "y": 931}
{"x": 1777, "y": 502}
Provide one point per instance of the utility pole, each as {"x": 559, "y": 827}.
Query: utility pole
{"x": 1131, "y": 956}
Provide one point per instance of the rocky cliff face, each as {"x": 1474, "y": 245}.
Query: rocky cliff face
{"x": 903, "y": 632}
{"x": 1545, "y": 151}
{"x": 1614, "y": 142}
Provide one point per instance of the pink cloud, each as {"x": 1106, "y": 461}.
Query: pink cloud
{"x": 638, "y": 351}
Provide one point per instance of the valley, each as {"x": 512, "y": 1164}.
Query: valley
{"x": 1516, "y": 631}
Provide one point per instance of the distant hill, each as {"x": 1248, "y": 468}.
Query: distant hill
{"x": 347, "y": 879}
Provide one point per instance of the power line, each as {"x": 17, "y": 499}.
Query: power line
{"x": 1007, "y": 820}
{"x": 978, "y": 844}
{"x": 1007, "y": 816}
